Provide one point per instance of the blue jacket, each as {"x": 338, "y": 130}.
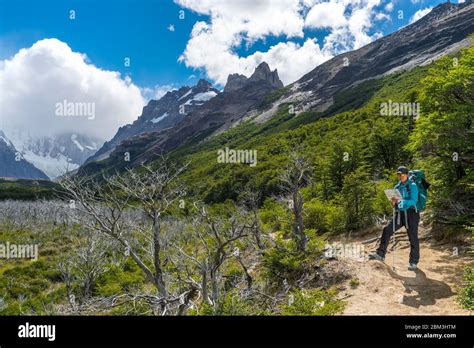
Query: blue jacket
{"x": 409, "y": 195}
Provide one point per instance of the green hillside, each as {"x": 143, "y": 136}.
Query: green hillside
{"x": 352, "y": 147}
{"x": 26, "y": 189}
{"x": 247, "y": 251}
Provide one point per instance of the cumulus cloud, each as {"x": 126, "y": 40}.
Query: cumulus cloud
{"x": 235, "y": 23}
{"x": 420, "y": 13}
{"x": 326, "y": 15}
{"x": 253, "y": 19}
{"x": 37, "y": 78}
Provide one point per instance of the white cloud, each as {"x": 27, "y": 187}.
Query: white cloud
{"x": 35, "y": 79}
{"x": 213, "y": 44}
{"x": 420, "y": 13}
{"x": 253, "y": 19}
{"x": 326, "y": 15}
{"x": 157, "y": 92}
{"x": 234, "y": 23}
{"x": 290, "y": 59}
{"x": 389, "y": 7}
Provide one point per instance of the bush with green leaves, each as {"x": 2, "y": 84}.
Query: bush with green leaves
{"x": 285, "y": 261}
{"x": 307, "y": 302}
{"x": 466, "y": 293}
{"x": 231, "y": 303}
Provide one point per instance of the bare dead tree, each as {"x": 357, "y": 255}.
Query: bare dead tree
{"x": 132, "y": 303}
{"x": 250, "y": 199}
{"x": 156, "y": 190}
{"x": 296, "y": 176}
{"x": 152, "y": 190}
{"x": 87, "y": 264}
{"x": 65, "y": 269}
{"x": 216, "y": 240}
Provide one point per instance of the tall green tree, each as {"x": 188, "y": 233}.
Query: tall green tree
{"x": 357, "y": 196}
{"x": 443, "y": 137}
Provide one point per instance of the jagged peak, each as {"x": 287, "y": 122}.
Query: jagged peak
{"x": 263, "y": 66}
{"x": 263, "y": 72}
{"x": 445, "y": 8}
{"x": 234, "y": 82}
{"x": 202, "y": 83}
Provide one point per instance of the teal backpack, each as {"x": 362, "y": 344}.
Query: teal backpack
{"x": 418, "y": 177}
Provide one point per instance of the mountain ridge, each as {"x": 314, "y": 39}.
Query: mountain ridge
{"x": 441, "y": 32}
{"x": 160, "y": 114}
{"x": 224, "y": 108}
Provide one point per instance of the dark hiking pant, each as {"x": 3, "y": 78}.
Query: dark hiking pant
{"x": 413, "y": 219}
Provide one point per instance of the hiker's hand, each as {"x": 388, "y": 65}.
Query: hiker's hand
{"x": 395, "y": 201}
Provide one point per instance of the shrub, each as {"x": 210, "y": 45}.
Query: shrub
{"x": 285, "y": 261}
{"x": 466, "y": 293}
{"x": 312, "y": 302}
{"x": 228, "y": 304}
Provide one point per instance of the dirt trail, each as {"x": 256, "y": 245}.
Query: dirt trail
{"x": 431, "y": 290}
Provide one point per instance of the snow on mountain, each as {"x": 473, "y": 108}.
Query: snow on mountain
{"x": 158, "y": 119}
{"x": 54, "y": 155}
{"x": 161, "y": 114}
{"x": 13, "y": 164}
{"x": 6, "y": 141}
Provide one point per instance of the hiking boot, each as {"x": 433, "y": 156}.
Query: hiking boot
{"x": 375, "y": 256}
{"x": 412, "y": 266}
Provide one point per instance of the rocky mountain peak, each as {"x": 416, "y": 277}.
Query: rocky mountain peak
{"x": 263, "y": 73}
{"x": 235, "y": 82}
{"x": 263, "y": 67}
{"x": 203, "y": 84}
{"x": 163, "y": 113}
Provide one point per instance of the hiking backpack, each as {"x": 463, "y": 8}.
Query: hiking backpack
{"x": 418, "y": 177}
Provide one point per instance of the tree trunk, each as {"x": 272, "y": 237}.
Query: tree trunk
{"x": 215, "y": 286}
{"x": 159, "y": 282}
{"x": 298, "y": 224}
{"x": 205, "y": 293}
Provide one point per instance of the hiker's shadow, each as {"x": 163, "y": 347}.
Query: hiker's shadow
{"x": 421, "y": 290}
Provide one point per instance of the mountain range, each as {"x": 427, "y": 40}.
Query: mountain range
{"x": 13, "y": 165}
{"x": 256, "y": 99}
{"x": 51, "y": 155}
{"x": 192, "y": 115}
{"x": 161, "y": 114}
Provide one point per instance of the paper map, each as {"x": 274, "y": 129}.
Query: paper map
{"x": 390, "y": 193}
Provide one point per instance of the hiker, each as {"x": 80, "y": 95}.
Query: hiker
{"x": 407, "y": 215}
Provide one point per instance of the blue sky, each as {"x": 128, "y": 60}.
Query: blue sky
{"x": 109, "y": 31}
{"x": 48, "y": 58}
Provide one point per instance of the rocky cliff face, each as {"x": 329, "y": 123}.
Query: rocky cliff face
{"x": 235, "y": 82}
{"x": 444, "y": 30}
{"x": 220, "y": 112}
{"x": 160, "y": 114}
{"x": 262, "y": 73}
